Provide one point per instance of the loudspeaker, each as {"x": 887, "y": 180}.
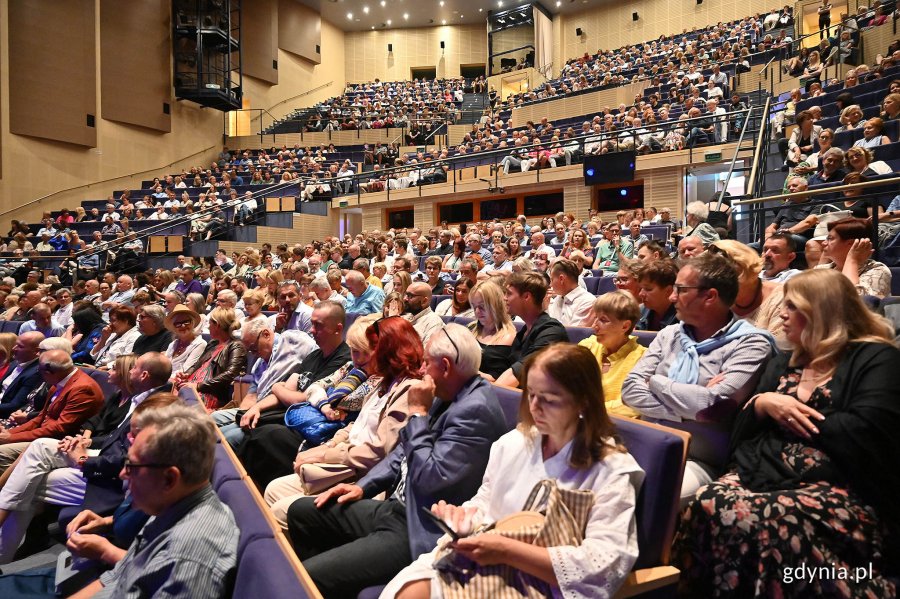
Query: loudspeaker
{"x": 442, "y": 45}
{"x": 390, "y": 47}
{"x": 578, "y": 31}
{"x": 634, "y": 16}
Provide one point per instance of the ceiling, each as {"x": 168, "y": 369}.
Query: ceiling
{"x": 425, "y": 13}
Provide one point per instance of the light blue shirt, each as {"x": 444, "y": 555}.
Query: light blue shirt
{"x": 54, "y": 330}
{"x": 260, "y": 366}
{"x": 370, "y": 302}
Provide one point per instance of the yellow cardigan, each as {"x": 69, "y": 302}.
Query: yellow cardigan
{"x": 620, "y": 364}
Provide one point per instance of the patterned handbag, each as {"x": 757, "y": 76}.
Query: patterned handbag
{"x": 562, "y": 521}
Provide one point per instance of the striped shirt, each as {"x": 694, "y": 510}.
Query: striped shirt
{"x": 187, "y": 551}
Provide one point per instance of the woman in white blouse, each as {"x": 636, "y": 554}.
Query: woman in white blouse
{"x": 117, "y": 338}
{"x": 187, "y": 346}
{"x": 566, "y": 435}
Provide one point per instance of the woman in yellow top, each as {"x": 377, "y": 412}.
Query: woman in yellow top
{"x": 616, "y": 350}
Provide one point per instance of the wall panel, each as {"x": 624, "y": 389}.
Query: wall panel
{"x": 52, "y": 70}
{"x": 299, "y": 30}
{"x": 259, "y": 41}
{"x": 135, "y": 85}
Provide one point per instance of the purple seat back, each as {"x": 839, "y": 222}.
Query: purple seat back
{"x": 250, "y": 519}
{"x": 265, "y": 571}
{"x": 223, "y": 468}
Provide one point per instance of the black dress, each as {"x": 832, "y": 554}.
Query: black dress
{"x": 495, "y": 359}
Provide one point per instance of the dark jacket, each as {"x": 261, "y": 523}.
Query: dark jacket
{"x": 643, "y": 323}
{"x": 18, "y": 390}
{"x": 546, "y": 330}
{"x": 446, "y": 455}
{"x": 226, "y": 367}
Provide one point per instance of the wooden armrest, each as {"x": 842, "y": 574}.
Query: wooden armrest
{"x": 648, "y": 579}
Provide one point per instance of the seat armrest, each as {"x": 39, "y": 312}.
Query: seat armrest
{"x": 643, "y": 581}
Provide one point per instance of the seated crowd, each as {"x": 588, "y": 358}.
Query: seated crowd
{"x": 373, "y": 365}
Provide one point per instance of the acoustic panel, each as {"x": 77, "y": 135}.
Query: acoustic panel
{"x": 259, "y": 41}
{"x": 299, "y": 30}
{"x": 135, "y": 67}
{"x": 52, "y": 70}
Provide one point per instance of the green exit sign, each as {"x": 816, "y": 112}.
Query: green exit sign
{"x": 343, "y": 204}
{"x": 712, "y": 157}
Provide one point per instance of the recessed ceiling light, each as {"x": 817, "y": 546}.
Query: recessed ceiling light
{"x": 480, "y": 10}
{"x": 388, "y": 21}
{"x": 366, "y": 9}
{"x": 558, "y": 3}
{"x": 443, "y": 21}
{"x": 373, "y": 26}
{"x": 383, "y": 3}
{"x": 406, "y": 16}
{"x": 461, "y": 16}
{"x": 500, "y": 3}
{"x": 350, "y": 15}
{"x": 441, "y": 2}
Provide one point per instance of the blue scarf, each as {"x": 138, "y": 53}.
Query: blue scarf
{"x": 686, "y": 368}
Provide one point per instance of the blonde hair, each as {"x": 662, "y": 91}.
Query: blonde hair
{"x": 7, "y": 341}
{"x": 748, "y": 262}
{"x": 405, "y": 281}
{"x": 356, "y": 334}
{"x": 835, "y": 316}
{"x": 226, "y": 319}
{"x": 619, "y": 304}
{"x": 495, "y": 304}
{"x": 254, "y": 295}
{"x": 123, "y": 364}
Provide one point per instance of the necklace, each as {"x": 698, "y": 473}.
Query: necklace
{"x": 756, "y": 297}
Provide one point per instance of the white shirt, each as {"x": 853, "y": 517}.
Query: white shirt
{"x": 574, "y": 309}
{"x": 61, "y": 385}
{"x": 542, "y": 249}
{"x": 14, "y": 374}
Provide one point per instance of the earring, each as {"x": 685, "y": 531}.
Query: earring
{"x": 581, "y": 416}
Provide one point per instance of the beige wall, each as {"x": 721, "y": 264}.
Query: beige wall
{"x": 367, "y": 56}
{"x": 297, "y": 77}
{"x": 609, "y": 26}
{"x": 33, "y": 168}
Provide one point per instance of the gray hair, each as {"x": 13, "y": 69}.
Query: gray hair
{"x": 183, "y": 437}
{"x": 256, "y": 326}
{"x": 58, "y": 361}
{"x": 156, "y": 312}
{"x": 699, "y": 210}
{"x": 441, "y": 345}
{"x": 59, "y": 343}
{"x": 319, "y": 283}
{"x": 228, "y": 295}
{"x": 834, "y": 151}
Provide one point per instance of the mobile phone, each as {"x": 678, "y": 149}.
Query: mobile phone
{"x": 440, "y": 523}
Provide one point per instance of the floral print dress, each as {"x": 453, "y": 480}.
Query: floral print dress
{"x": 733, "y": 542}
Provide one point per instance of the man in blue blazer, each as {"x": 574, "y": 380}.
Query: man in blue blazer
{"x": 454, "y": 418}
{"x": 22, "y": 376}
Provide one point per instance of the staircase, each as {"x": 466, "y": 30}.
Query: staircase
{"x": 472, "y": 108}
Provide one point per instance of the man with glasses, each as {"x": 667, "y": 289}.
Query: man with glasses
{"x": 417, "y": 304}
{"x": 155, "y": 337}
{"x": 703, "y": 369}
{"x": 58, "y": 472}
{"x": 191, "y": 543}
{"x": 73, "y": 397}
{"x": 611, "y": 249}
{"x": 441, "y": 455}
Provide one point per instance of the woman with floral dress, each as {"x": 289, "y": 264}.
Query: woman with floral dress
{"x": 813, "y": 479}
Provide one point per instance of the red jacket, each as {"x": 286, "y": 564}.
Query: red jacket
{"x": 81, "y": 398}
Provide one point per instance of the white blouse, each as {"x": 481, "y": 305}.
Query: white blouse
{"x": 188, "y": 357}
{"x": 596, "y": 568}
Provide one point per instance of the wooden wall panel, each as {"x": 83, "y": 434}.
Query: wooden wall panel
{"x": 299, "y": 30}
{"x": 52, "y": 70}
{"x": 259, "y": 40}
{"x": 135, "y": 65}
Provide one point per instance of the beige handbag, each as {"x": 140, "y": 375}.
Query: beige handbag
{"x": 319, "y": 476}
{"x": 561, "y": 522}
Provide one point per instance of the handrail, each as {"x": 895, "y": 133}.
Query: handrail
{"x": 760, "y": 142}
{"x": 735, "y": 156}
{"x": 260, "y": 110}
{"x": 819, "y": 190}
{"x": 306, "y": 93}
{"x": 49, "y": 195}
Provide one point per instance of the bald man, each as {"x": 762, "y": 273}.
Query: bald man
{"x": 690, "y": 247}
{"x": 43, "y": 322}
{"x": 26, "y": 304}
{"x": 417, "y": 307}
{"x": 364, "y": 298}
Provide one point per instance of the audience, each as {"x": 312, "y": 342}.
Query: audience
{"x": 571, "y": 304}
{"x": 656, "y": 280}
{"x": 23, "y": 375}
{"x": 848, "y": 248}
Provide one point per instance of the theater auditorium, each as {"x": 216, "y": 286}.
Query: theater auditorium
{"x": 338, "y": 299}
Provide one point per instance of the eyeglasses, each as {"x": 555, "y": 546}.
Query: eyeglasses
{"x": 254, "y": 349}
{"x": 181, "y": 324}
{"x": 453, "y": 343}
{"x": 130, "y": 466}
{"x": 679, "y": 289}
{"x": 621, "y": 280}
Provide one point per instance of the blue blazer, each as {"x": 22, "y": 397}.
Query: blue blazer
{"x": 27, "y": 381}
{"x": 446, "y": 456}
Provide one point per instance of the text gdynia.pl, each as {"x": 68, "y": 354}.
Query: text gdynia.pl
{"x": 811, "y": 574}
